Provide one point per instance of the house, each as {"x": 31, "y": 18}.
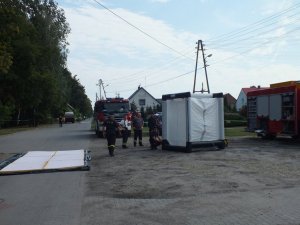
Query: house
{"x": 142, "y": 98}
{"x": 229, "y": 101}
{"x": 242, "y": 98}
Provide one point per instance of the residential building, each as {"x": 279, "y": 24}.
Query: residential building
{"x": 229, "y": 101}
{"x": 242, "y": 98}
{"x": 143, "y": 98}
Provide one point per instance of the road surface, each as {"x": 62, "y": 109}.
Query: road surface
{"x": 46, "y": 198}
{"x": 253, "y": 181}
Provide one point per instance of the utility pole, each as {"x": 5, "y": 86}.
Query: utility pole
{"x": 101, "y": 85}
{"x": 196, "y": 68}
{"x": 200, "y": 46}
{"x": 204, "y": 62}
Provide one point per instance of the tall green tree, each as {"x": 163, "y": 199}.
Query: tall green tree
{"x": 34, "y": 81}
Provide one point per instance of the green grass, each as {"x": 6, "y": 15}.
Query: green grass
{"x": 6, "y": 131}
{"x": 237, "y": 132}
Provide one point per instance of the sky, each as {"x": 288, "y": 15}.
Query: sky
{"x": 152, "y": 44}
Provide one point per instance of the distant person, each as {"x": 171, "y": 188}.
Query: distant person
{"x": 60, "y": 120}
{"x": 138, "y": 124}
{"x": 153, "y": 125}
{"x": 126, "y": 129}
{"x": 111, "y": 128}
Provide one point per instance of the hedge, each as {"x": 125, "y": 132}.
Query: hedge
{"x": 235, "y": 123}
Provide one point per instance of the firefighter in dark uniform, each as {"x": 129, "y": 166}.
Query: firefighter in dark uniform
{"x": 138, "y": 124}
{"x": 111, "y": 129}
{"x": 153, "y": 125}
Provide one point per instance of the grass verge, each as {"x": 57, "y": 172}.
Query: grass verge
{"x": 237, "y": 132}
{"x": 6, "y": 131}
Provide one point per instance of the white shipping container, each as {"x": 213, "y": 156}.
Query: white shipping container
{"x": 192, "y": 120}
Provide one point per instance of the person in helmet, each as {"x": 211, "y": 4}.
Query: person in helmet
{"x": 111, "y": 127}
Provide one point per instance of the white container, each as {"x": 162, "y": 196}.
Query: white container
{"x": 193, "y": 120}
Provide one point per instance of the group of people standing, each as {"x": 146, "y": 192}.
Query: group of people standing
{"x": 112, "y": 128}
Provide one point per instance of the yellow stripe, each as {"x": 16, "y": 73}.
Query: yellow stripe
{"x": 46, "y": 163}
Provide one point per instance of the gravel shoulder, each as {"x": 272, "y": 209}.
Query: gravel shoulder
{"x": 159, "y": 185}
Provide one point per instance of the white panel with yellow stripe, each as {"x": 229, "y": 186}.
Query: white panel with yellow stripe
{"x": 46, "y": 161}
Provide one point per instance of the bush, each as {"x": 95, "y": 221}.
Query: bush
{"x": 5, "y": 114}
{"x": 233, "y": 116}
{"x": 235, "y": 123}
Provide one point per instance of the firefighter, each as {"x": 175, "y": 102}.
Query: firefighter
{"x": 153, "y": 125}
{"x": 126, "y": 129}
{"x": 138, "y": 124}
{"x": 111, "y": 127}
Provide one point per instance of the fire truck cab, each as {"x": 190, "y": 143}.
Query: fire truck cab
{"x": 275, "y": 111}
{"x": 118, "y": 107}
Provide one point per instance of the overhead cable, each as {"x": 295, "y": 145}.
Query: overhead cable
{"x": 140, "y": 30}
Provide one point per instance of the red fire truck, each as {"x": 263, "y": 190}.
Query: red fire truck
{"x": 275, "y": 111}
{"x": 118, "y": 107}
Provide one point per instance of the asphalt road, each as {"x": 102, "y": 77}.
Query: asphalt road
{"x": 253, "y": 182}
{"x": 47, "y": 198}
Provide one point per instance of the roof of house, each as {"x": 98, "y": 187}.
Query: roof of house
{"x": 246, "y": 90}
{"x": 230, "y": 99}
{"x": 141, "y": 88}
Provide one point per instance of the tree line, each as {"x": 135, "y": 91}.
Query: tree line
{"x": 35, "y": 84}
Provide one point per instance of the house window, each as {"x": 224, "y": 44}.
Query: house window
{"x": 142, "y": 102}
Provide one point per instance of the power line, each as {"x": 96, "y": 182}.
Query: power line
{"x": 160, "y": 82}
{"x": 245, "y": 28}
{"x": 140, "y": 30}
{"x": 133, "y": 76}
{"x": 263, "y": 43}
{"x": 229, "y": 41}
{"x": 261, "y": 24}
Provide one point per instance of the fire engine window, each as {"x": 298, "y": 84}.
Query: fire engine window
{"x": 142, "y": 101}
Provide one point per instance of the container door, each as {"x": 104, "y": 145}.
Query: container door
{"x": 262, "y": 112}
{"x": 206, "y": 119}
{"x": 275, "y": 107}
{"x": 251, "y": 113}
{"x": 263, "y": 106}
{"x": 175, "y": 122}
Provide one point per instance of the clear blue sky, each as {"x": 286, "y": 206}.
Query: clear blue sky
{"x": 252, "y": 42}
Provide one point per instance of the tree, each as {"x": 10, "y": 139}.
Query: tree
{"x": 243, "y": 111}
{"x": 34, "y": 81}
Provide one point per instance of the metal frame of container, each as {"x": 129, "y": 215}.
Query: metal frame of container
{"x": 192, "y": 120}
